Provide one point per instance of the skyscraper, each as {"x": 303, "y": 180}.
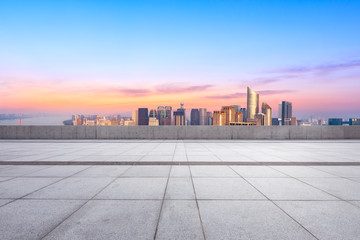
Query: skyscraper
{"x": 143, "y": 117}
{"x": 267, "y": 111}
{"x": 135, "y": 117}
{"x": 239, "y": 117}
{"x": 195, "y": 117}
{"x": 204, "y": 119}
{"x": 243, "y": 110}
{"x": 219, "y": 118}
{"x": 209, "y": 118}
{"x": 152, "y": 113}
{"x": 286, "y": 113}
{"x": 252, "y": 104}
{"x": 164, "y": 115}
{"x": 237, "y": 108}
{"x": 229, "y": 114}
{"x": 179, "y": 116}
{"x": 259, "y": 119}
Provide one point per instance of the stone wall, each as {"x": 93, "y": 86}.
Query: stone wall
{"x": 180, "y": 132}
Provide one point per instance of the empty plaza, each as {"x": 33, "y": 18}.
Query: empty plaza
{"x": 179, "y": 189}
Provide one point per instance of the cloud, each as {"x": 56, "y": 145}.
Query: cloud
{"x": 324, "y": 68}
{"x": 261, "y": 81}
{"x": 227, "y": 96}
{"x": 131, "y": 91}
{"x": 239, "y": 95}
{"x": 180, "y": 88}
{"x": 274, "y": 92}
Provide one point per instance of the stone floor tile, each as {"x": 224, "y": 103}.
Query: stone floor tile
{"x": 180, "y": 188}
{"x": 326, "y": 220}
{"x": 225, "y": 188}
{"x": 248, "y": 220}
{"x": 72, "y": 188}
{"x": 287, "y": 189}
{"x": 18, "y": 187}
{"x": 179, "y": 220}
{"x": 135, "y": 188}
{"x": 33, "y": 219}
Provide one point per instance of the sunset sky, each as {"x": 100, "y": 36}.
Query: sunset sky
{"x": 115, "y": 56}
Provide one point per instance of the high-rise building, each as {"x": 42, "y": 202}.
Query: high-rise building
{"x": 229, "y": 114}
{"x": 286, "y": 112}
{"x": 179, "y": 116}
{"x": 354, "y": 121}
{"x": 335, "y": 121}
{"x": 78, "y": 120}
{"x": 101, "y": 121}
{"x": 252, "y": 104}
{"x": 204, "y": 119}
{"x": 237, "y": 108}
{"x": 259, "y": 119}
{"x": 280, "y": 111}
{"x": 164, "y": 115}
{"x": 152, "y": 113}
{"x": 239, "y": 117}
{"x": 243, "y": 110}
{"x": 209, "y": 118}
{"x": 143, "y": 117}
{"x": 266, "y": 109}
{"x": 195, "y": 117}
{"x": 135, "y": 117}
{"x": 275, "y": 122}
{"x": 219, "y": 118}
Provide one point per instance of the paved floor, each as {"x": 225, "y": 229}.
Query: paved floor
{"x": 320, "y": 200}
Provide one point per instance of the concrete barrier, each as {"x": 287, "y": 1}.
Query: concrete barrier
{"x": 180, "y": 132}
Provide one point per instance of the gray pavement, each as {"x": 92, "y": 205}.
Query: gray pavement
{"x": 161, "y": 200}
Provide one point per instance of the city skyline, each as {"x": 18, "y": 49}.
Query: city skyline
{"x": 63, "y": 58}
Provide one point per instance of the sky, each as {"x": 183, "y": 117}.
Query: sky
{"x": 109, "y": 57}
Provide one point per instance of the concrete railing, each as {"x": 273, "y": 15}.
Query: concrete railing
{"x": 180, "y": 132}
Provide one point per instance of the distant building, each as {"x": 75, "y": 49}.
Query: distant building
{"x": 143, "y": 117}
{"x": 135, "y": 117}
{"x": 101, "y": 121}
{"x": 354, "y": 121}
{"x": 239, "y": 117}
{"x": 267, "y": 111}
{"x": 229, "y": 114}
{"x": 127, "y": 122}
{"x": 219, "y": 118}
{"x": 164, "y": 115}
{"x": 153, "y": 121}
{"x": 294, "y": 121}
{"x": 152, "y": 113}
{"x": 275, "y": 122}
{"x": 179, "y": 116}
{"x": 195, "y": 117}
{"x": 78, "y": 120}
{"x": 335, "y": 121}
{"x": 204, "y": 119}
{"x": 237, "y": 108}
{"x": 286, "y": 113}
{"x": 259, "y": 119}
{"x": 243, "y": 110}
{"x": 209, "y": 118}
{"x": 252, "y": 104}
{"x": 113, "y": 122}
{"x": 321, "y": 122}
{"x": 89, "y": 122}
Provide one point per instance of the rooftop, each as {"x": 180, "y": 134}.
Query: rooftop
{"x": 179, "y": 189}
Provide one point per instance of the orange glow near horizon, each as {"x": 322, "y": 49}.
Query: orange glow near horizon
{"x": 71, "y": 97}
